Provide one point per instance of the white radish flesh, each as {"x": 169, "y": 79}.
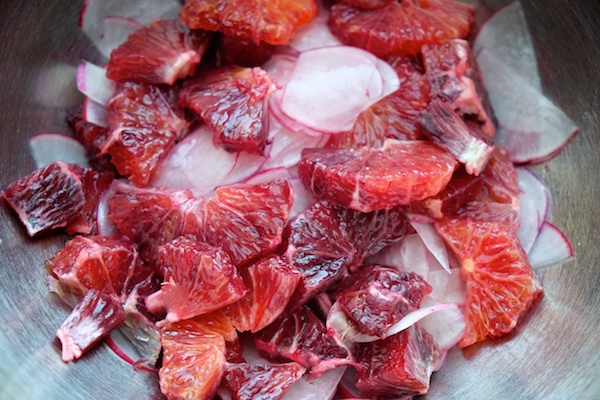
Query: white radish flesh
{"x": 117, "y": 30}
{"x": 47, "y": 148}
{"x": 550, "y": 247}
{"x": 95, "y": 113}
{"x": 93, "y": 83}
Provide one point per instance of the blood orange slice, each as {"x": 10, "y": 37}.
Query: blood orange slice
{"x": 261, "y": 381}
{"x": 268, "y": 21}
{"x": 374, "y": 179}
{"x": 91, "y": 136}
{"x": 501, "y": 285}
{"x": 400, "y": 28}
{"x": 367, "y": 4}
{"x": 243, "y": 52}
{"x": 161, "y": 53}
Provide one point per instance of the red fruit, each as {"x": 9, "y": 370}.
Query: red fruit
{"x": 378, "y": 297}
{"x": 163, "y": 52}
{"x": 92, "y": 319}
{"x": 143, "y": 128}
{"x": 268, "y": 21}
{"x": 247, "y": 220}
{"x": 271, "y": 282}
{"x": 303, "y": 338}
{"x": 48, "y": 198}
{"x": 243, "y": 52}
{"x": 400, "y": 28}
{"x": 198, "y": 279}
{"x": 374, "y": 179}
{"x": 398, "y": 366}
{"x": 104, "y": 263}
{"x": 91, "y": 137}
{"x": 501, "y": 286}
{"x": 393, "y": 117}
{"x": 233, "y": 102}
{"x": 261, "y": 381}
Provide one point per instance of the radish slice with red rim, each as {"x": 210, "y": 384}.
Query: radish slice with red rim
{"x": 104, "y": 225}
{"x": 533, "y": 207}
{"x": 408, "y": 255}
{"x": 95, "y": 113}
{"x": 447, "y": 288}
{"x": 321, "y": 388}
{"x": 116, "y": 31}
{"x": 279, "y": 67}
{"x": 93, "y": 83}
{"x": 432, "y": 240}
{"x": 446, "y": 326}
{"x": 47, "y": 148}
{"x": 530, "y": 126}
{"x": 329, "y": 87}
{"x": 551, "y": 247}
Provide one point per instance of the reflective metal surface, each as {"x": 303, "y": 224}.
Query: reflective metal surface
{"x": 553, "y": 354}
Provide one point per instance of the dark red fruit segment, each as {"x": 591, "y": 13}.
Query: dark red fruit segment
{"x": 243, "y": 52}
{"x": 268, "y": 21}
{"x": 370, "y": 179}
{"x": 398, "y": 366}
{"x": 377, "y": 297}
{"x": 163, "y": 52}
{"x": 261, "y": 381}
{"x": 367, "y": 4}
{"x": 247, "y": 220}
{"x": 444, "y": 127}
{"x": 400, "y": 28}
{"x": 233, "y": 102}
{"x": 48, "y": 198}
{"x": 143, "y": 128}
{"x": 91, "y": 136}
{"x": 302, "y": 337}
{"x": 198, "y": 279}
{"x": 271, "y": 282}
{"x": 92, "y": 319}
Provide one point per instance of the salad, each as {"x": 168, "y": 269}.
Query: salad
{"x": 294, "y": 208}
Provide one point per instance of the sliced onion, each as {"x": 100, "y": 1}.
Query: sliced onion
{"x": 446, "y": 326}
{"x": 551, "y": 247}
{"x": 432, "y": 240}
{"x": 533, "y": 200}
{"x": 116, "y": 31}
{"x": 321, "y": 388}
{"x": 531, "y": 127}
{"x": 93, "y": 83}
{"x": 123, "y": 348}
{"x": 329, "y": 87}
{"x": 47, "y": 148}
{"x": 95, "y": 113}
{"x": 408, "y": 255}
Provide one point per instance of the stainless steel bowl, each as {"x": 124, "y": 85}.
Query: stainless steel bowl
{"x": 553, "y": 354}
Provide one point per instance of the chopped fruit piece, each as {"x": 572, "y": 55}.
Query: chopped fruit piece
{"x": 161, "y": 53}
{"x": 461, "y": 189}
{"x": 106, "y": 264}
{"x": 143, "y": 128}
{"x": 444, "y": 127}
{"x": 247, "y": 220}
{"x": 374, "y": 179}
{"x": 271, "y": 282}
{"x": 198, "y": 279}
{"x": 456, "y": 79}
{"x": 367, "y": 4}
{"x": 193, "y": 361}
{"x": 243, "y": 52}
{"x": 261, "y": 381}
{"x": 501, "y": 286}
{"x": 398, "y": 366}
{"x": 400, "y": 28}
{"x": 393, "y": 117}
{"x": 94, "y": 184}
{"x": 303, "y": 338}
{"x": 233, "y": 102}
{"x": 377, "y": 297}
{"x": 327, "y": 240}
{"x": 48, "y": 198}
{"x": 268, "y": 21}
{"x": 92, "y": 319}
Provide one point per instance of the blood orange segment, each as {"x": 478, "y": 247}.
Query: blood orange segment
{"x": 261, "y": 381}
{"x": 268, "y": 21}
{"x": 193, "y": 360}
{"x": 367, "y": 4}
{"x": 163, "y": 52}
{"x": 501, "y": 285}
{"x": 198, "y": 279}
{"x": 143, "y": 128}
{"x": 91, "y": 136}
{"x": 247, "y": 220}
{"x": 243, "y": 52}
{"x": 374, "y": 179}
{"x": 400, "y": 28}
{"x": 233, "y": 102}
{"x": 271, "y": 283}
{"x": 398, "y": 366}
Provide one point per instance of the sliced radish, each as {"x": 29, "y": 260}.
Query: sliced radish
{"x": 529, "y": 125}
{"x": 329, "y": 87}
{"x": 446, "y": 326}
{"x": 432, "y": 240}
{"x": 47, "y": 148}
{"x": 269, "y": 175}
{"x": 408, "y": 255}
{"x": 279, "y": 67}
{"x": 506, "y": 35}
{"x": 533, "y": 207}
{"x": 314, "y": 35}
{"x": 447, "y": 288}
{"x": 95, "y": 113}
{"x": 197, "y": 164}
{"x": 321, "y": 388}
{"x": 303, "y": 198}
{"x": 93, "y": 83}
{"x": 551, "y": 247}
{"x": 116, "y": 31}
{"x": 104, "y": 225}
